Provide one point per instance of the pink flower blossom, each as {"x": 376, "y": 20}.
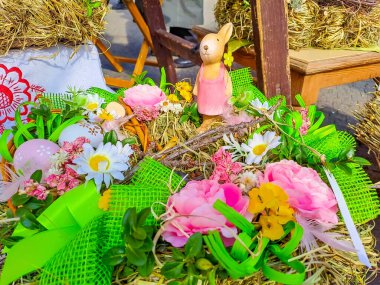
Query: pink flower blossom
{"x": 305, "y": 121}
{"x": 64, "y": 182}
{"x": 34, "y": 189}
{"x": 145, "y": 101}
{"x": 225, "y": 170}
{"x": 75, "y": 148}
{"x": 308, "y": 194}
{"x": 191, "y": 210}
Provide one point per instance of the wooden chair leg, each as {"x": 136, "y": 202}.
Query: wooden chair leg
{"x": 140, "y": 21}
{"x": 305, "y": 85}
{"x": 155, "y": 21}
{"x": 108, "y": 55}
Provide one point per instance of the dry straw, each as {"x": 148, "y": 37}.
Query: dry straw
{"x": 367, "y": 130}
{"x": 324, "y": 24}
{"x": 45, "y": 23}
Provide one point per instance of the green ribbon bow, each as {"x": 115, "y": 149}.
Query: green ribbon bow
{"x": 239, "y": 263}
{"x": 62, "y": 220}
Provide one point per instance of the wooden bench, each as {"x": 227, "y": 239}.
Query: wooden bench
{"x": 313, "y": 69}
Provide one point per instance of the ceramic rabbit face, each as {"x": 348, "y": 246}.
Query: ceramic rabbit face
{"x": 212, "y": 45}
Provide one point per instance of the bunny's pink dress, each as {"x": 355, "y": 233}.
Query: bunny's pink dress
{"x": 212, "y": 93}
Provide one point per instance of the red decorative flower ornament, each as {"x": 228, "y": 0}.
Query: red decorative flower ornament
{"x": 13, "y": 92}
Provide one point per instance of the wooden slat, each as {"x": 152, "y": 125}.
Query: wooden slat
{"x": 155, "y": 21}
{"x": 108, "y": 55}
{"x": 179, "y": 46}
{"x": 270, "y": 31}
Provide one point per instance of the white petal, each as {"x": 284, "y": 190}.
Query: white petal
{"x": 246, "y": 147}
{"x": 250, "y": 159}
{"x": 107, "y": 179}
{"x": 117, "y": 175}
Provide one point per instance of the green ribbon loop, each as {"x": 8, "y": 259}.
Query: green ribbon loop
{"x": 63, "y": 220}
{"x": 240, "y": 263}
{"x": 4, "y": 151}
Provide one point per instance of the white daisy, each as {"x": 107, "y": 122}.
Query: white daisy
{"x": 125, "y": 150}
{"x": 103, "y": 164}
{"x": 260, "y": 107}
{"x": 259, "y": 145}
{"x": 93, "y": 103}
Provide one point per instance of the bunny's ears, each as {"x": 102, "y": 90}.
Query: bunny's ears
{"x": 226, "y": 32}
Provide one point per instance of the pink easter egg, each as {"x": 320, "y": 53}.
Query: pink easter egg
{"x": 33, "y": 155}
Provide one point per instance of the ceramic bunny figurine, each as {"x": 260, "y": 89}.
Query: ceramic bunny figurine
{"x": 213, "y": 85}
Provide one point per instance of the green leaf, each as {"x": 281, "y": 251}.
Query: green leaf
{"x": 129, "y": 141}
{"x": 172, "y": 270}
{"x": 135, "y": 256}
{"x": 177, "y": 254}
{"x": 148, "y": 245}
{"x": 130, "y": 219}
{"x": 27, "y": 219}
{"x": 360, "y": 160}
{"x": 114, "y": 256}
{"x": 345, "y": 168}
{"x": 184, "y": 118}
{"x": 203, "y": 264}
{"x": 142, "y": 216}
{"x": 18, "y": 200}
{"x": 139, "y": 233}
{"x": 163, "y": 79}
{"x": 127, "y": 271}
{"x": 34, "y": 204}
{"x": 175, "y": 283}
{"x": 133, "y": 242}
{"x": 37, "y": 176}
{"x": 235, "y": 44}
{"x": 146, "y": 269}
{"x": 194, "y": 245}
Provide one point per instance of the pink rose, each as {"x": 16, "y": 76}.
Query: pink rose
{"x": 308, "y": 194}
{"x": 194, "y": 212}
{"x": 144, "y": 100}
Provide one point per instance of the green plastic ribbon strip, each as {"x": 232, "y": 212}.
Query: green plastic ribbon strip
{"x": 62, "y": 220}
{"x": 240, "y": 264}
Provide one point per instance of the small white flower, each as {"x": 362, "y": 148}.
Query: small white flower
{"x": 57, "y": 160}
{"x": 259, "y": 145}
{"x": 260, "y": 107}
{"x": 248, "y": 180}
{"x": 167, "y": 106}
{"x": 234, "y": 146}
{"x": 93, "y": 103}
{"x": 103, "y": 164}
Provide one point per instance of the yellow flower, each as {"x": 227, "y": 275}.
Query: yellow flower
{"x": 104, "y": 200}
{"x": 183, "y": 85}
{"x": 188, "y": 96}
{"x": 268, "y": 196}
{"x": 270, "y": 227}
{"x": 106, "y": 116}
{"x": 173, "y": 98}
{"x": 228, "y": 59}
{"x": 283, "y": 215}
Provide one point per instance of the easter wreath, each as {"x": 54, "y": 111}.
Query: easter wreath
{"x": 133, "y": 193}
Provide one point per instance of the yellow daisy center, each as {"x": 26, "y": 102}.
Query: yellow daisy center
{"x": 259, "y": 149}
{"x": 92, "y": 106}
{"x": 96, "y": 160}
{"x": 106, "y": 116}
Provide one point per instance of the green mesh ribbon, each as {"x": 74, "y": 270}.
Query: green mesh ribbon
{"x": 362, "y": 200}
{"x": 79, "y": 262}
{"x": 149, "y": 184}
{"x": 106, "y": 95}
{"x": 57, "y": 99}
{"x": 242, "y": 81}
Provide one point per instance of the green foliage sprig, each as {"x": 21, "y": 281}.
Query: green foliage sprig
{"x": 136, "y": 253}
{"x": 191, "y": 265}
